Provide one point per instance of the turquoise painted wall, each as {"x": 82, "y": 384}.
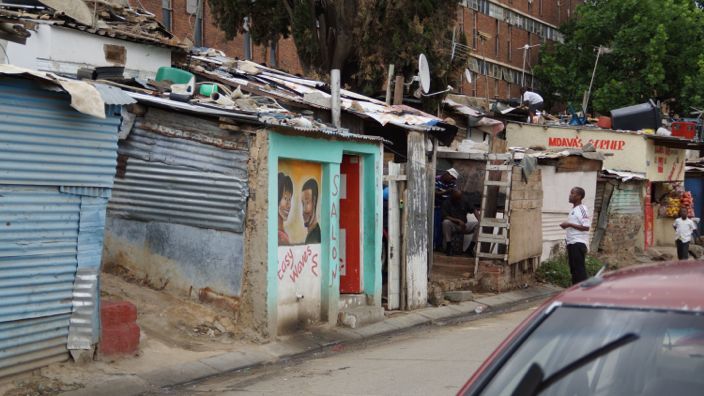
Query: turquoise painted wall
{"x": 329, "y": 153}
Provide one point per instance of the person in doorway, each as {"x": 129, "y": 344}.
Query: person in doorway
{"x": 531, "y": 99}
{"x": 454, "y": 219}
{"x": 309, "y": 203}
{"x": 577, "y": 235}
{"x": 285, "y": 195}
{"x": 684, "y": 229}
{"x": 444, "y": 183}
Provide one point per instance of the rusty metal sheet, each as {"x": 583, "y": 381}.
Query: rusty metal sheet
{"x": 180, "y": 181}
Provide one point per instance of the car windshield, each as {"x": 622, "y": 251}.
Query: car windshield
{"x": 668, "y": 357}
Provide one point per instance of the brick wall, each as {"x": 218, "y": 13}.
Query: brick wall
{"x": 182, "y": 26}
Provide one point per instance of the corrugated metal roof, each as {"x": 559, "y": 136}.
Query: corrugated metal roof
{"x": 113, "y": 95}
{"x": 202, "y": 110}
{"x": 46, "y": 142}
{"x": 311, "y": 93}
{"x": 182, "y": 182}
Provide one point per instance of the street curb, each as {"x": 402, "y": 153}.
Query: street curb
{"x": 319, "y": 341}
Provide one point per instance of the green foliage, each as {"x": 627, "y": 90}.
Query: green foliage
{"x": 656, "y": 50}
{"x": 557, "y": 271}
{"x": 360, "y": 37}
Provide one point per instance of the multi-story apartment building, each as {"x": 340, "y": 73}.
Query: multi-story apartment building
{"x": 504, "y": 38}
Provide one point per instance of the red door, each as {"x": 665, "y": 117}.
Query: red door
{"x": 350, "y": 263}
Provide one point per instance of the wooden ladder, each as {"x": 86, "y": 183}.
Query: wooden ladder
{"x": 502, "y": 224}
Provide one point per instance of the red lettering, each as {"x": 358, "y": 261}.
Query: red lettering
{"x": 286, "y": 263}
{"x": 553, "y": 141}
{"x": 333, "y": 210}
{"x": 332, "y": 234}
{"x": 621, "y": 144}
{"x": 314, "y": 267}
{"x": 334, "y": 253}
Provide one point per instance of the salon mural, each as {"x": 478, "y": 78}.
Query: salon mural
{"x": 299, "y": 247}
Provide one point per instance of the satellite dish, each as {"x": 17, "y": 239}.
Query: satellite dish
{"x": 424, "y": 73}
{"x": 468, "y": 75}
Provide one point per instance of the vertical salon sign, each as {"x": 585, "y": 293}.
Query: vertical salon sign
{"x": 334, "y": 229}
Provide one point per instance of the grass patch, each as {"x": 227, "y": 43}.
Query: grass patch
{"x": 557, "y": 271}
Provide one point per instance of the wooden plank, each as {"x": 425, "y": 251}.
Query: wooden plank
{"x": 416, "y": 230}
{"x": 394, "y": 178}
{"x": 491, "y": 238}
{"x": 575, "y": 163}
{"x": 398, "y": 90}
{"x": 499, "y": 167}
{"x": 526, "y": 236}
{"x": 500, "y": 223}
{"x": 493, "y": 256}
{"x": 393, "y": 248}
{"x": 499, "y": 156}
{"x": 497, "y": 183}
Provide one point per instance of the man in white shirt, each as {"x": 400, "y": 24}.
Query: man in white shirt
{"x": 684, "y": 228}
{"x": 531, "y": 99}
{"x": 577, "y": 235}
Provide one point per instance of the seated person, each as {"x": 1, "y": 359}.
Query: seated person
{"x": 454, "y": 219}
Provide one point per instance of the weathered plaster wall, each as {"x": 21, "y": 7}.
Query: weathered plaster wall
{"x": 177, "y": 257}
{"x": 625, "y": 151}
{"x": 64, "y": 50}
{"x": 254, "y": 310}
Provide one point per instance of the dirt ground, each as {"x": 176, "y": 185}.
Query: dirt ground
{"x": 174, "y": 329}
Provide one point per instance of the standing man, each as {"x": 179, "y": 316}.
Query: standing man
{"x": 531, "y": 99}
{"x": 684, "y": 228}
{"x": 444, "y": 183}
{"x": 309, "y": 203}
{"x": 577, "y": 235}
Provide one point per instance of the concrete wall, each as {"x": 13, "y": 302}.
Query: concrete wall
{"x": 64, "y": 50}
{"x": 177, "y": 257}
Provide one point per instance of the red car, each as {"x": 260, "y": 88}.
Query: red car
{"x": 637, "y": 331}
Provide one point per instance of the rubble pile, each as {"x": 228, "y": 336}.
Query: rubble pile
{"x": 111, "y": 18}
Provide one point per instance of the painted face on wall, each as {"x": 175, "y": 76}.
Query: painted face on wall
{"x": 308, "y": 205}
{"x": 285, "y": 205}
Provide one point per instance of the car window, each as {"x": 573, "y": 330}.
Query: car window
{"x": 668, "y": 358}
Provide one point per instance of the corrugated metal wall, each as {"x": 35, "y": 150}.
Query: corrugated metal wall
{"x": 46, "y": 142}
{"x": 38, "y": 262}
{"x": 627, "y": 199}
{"x": 56, "y": 171}
{"x": 180, "y": 181}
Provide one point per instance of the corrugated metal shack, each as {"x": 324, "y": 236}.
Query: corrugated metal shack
{"x": 177, "y": 213}
{"x": 56, "y": 174}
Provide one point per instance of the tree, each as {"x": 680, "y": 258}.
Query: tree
{"x": 359, "y": 37}
{"x": 656, "y": 47}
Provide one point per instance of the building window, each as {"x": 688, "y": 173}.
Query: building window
{"x": 509, "y": 45}
{"x": 497, "y": 40}
{"x": 166, "y": 14}
{"x": 475, "y": 31}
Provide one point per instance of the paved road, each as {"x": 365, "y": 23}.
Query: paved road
{"x": 427, "y": 361}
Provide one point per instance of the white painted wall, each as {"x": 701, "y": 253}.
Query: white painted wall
{"x": 556, "y": 206}
{"x": 299, "y": 287}
{"x": 64, "y": 50}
